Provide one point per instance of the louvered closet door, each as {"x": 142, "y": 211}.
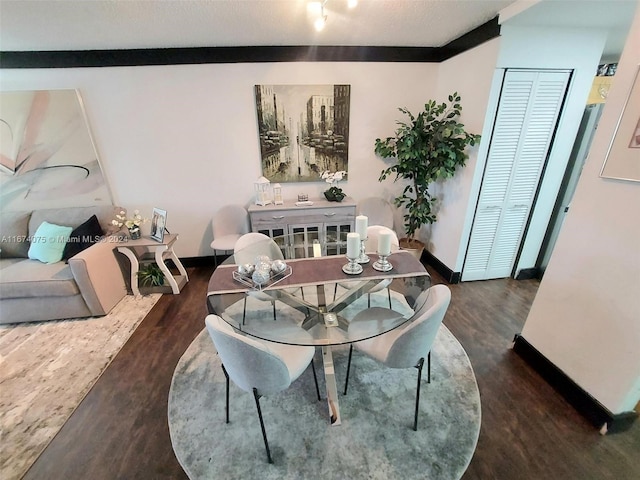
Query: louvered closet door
{"x": 527, "y": 115}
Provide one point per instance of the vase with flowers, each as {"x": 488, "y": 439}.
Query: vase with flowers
{"x": 334, "y": 193}
{"x": 133, "y": 223}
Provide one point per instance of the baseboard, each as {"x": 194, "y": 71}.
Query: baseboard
{"x": 582, "y": 401}
{"x": 448, "y": 274}
{"x": 528, "y": 273}
{"x": 200, "y": 261}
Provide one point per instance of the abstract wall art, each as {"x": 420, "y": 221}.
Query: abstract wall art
{"x": 623, "y": 157}
{"x": 303, "y": 130}
{"x": 47, "y": 155}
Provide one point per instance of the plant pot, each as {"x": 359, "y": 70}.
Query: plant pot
{"x": 134, "y": 233}
{"x": 413, "y": 246}
{"x": 332, "y": 195}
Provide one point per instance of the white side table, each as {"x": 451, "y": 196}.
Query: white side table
{"x": 146, "y": 250}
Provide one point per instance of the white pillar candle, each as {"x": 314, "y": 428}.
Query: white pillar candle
{"x": 384, "y": 244}
{"x": 316, "y": 249}
{"x": 361, "y": 225}
{"x": 353, "y": 245}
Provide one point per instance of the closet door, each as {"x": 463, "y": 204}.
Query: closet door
{"x": 527, "y": 116}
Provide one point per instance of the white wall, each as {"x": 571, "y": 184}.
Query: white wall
{"x": 586, "y": 315}
{"x": 470, "y": 75}
{"x": 184, "y": 138}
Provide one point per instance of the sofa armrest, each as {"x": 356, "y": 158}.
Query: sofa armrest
{"x": 97, "y": 272}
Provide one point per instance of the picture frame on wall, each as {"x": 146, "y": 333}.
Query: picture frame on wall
{"x": 158, "y": 224}
{"x": 622, "y": 161}
{"x": 303, "y": 130}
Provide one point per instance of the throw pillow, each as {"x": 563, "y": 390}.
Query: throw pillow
{"x": 82, "y": 237}
{"x": 48, "y": 242}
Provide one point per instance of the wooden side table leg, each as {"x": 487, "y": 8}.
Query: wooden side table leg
{"x": 167, "y": 273}
{"x": 135, "y": 266}
{"x": 178, "y": 264}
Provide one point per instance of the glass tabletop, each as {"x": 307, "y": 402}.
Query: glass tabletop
{"x": 307, "y": 298}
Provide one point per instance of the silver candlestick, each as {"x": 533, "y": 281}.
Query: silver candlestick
{"x": 382, "y": 264}
{"x": 353, "y": 267}
{"x": 363, "y": 258}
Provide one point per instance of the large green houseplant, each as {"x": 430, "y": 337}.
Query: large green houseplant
{"x": 427, "y": 148}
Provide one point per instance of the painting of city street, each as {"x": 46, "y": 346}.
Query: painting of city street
{"x": 303, "y": 130}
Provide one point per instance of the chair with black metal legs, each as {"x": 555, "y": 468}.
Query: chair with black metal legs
{"x": 410, "y": 344}
{"x": 258, "y": 366}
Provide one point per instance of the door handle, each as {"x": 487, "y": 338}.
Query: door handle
{"x": 277, "y": 217}
{"x": 329, "y": 214}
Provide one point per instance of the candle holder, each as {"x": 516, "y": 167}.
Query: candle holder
{"x": 363, "y": 258}
{"x": 353, "y": 267}
{"x": 382, "y": 264}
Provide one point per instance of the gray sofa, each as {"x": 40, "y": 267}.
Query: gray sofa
{"x": 90, "y": 284}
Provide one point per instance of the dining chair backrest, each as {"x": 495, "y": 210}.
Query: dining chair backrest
{"x": 249, "y": 363}
{"x": 378, "y": 211}
{"x": 414, "y": 340}
{"x": 229, "y": 220}
{"x": 250, "y": 245}
{"x": 373, "y": 234}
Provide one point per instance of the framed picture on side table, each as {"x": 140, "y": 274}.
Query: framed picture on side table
{"x": 158, "y": 222}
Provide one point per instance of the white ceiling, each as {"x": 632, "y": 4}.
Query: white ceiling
{"x": 122, "y": 24}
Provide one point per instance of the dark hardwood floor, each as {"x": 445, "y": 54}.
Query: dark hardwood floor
{"x": 528, "y": 431}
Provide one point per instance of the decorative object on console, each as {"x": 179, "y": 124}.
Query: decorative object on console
{"x": 47, "y": 156}
{"x": 303, "y": 130}
{"x": 335, "y": 193}
{"x": 277, "y": 194}
{"x": 262, "y": 187}
{"x": 132, "y": 224}
{"x": 428, "y": 148}
{"x": 158, "y": 223}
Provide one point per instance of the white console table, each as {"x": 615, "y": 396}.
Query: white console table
{"x": 146, "y": 250}
{"x": 328, "y": 222}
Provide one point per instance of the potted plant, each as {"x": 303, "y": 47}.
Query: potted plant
{"x": 151, "y": 276}
{"x": 334, "y": 193}
{"x": 429, "y": 147}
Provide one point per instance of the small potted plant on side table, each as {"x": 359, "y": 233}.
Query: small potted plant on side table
{"x": 430, "y": 147}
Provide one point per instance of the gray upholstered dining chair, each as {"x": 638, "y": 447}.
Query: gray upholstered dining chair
{"x": 410, "y": 344}
{"x": 258, "y": 366}
{"x": 228, "y": 225}
{"x": 247, "y": 248}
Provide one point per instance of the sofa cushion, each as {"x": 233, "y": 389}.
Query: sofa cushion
{"x": 14, "y": 231}
{"x": 30, "y": 278}
{"x": 48, "y": 242}
{"x": 75, "y": 216}
{"x": 83, "y": 237}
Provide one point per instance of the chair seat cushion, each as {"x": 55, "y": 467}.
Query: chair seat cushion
{"x": 226, "y": 242}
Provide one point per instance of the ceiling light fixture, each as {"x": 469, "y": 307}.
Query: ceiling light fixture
{"x": 352, "y": 3}
{"x": 321, "y": 21}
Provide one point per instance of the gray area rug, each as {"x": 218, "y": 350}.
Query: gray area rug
{"x": 375, "y": 440}
{"x": 46, "y": 369}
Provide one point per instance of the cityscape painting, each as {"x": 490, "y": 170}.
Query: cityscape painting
{"x": 303, "y": 130}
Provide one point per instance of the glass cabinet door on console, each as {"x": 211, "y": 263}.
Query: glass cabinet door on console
{"x": 327, "y": 222}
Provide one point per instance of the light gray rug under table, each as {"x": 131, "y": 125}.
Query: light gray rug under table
{"x": 375, "y": 440}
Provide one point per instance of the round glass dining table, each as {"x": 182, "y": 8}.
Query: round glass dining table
{"x": 292, "y": 289}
